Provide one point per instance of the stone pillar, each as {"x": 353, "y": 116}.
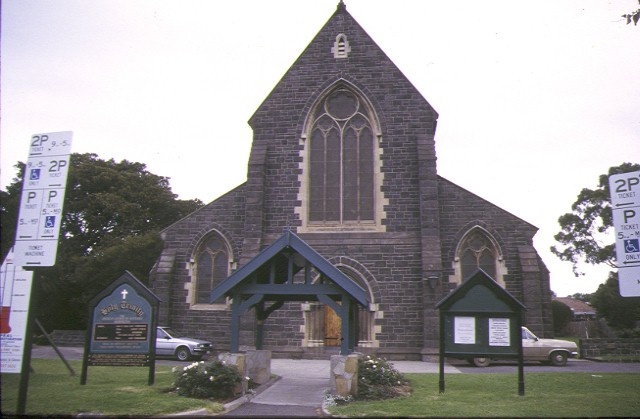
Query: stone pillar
{"x": 344, "y": 375}
{"x": 258, "y": 363}
{"x": 240, "y": 361}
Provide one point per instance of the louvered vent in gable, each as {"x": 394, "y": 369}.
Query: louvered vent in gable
{"x": 341, "y": 47}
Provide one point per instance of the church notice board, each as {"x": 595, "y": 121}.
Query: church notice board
{"x": 122, "y": 327}
{"x": 481, "y": 319}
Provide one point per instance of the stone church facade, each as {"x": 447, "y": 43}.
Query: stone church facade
{"x": 343, "y": 155}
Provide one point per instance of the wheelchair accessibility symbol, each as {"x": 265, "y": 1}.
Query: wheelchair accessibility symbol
{"x": 34, "y": 174}
{"x": 631, "y": 246}
{"x": 50, "y": 222}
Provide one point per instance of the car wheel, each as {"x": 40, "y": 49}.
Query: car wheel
{"x": 559, "y": 359}
{"x": 183, "y": 354}
{"x": 481, "y": 362}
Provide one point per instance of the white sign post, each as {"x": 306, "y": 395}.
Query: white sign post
{"x": 43, "y": 189}
{"x": 15, "y": 294}
{"x": 625, "y": 205}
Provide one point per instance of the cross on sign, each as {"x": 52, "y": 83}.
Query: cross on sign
{"x": 124, "y": 294}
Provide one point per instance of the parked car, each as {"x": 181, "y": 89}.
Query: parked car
{"x": 172, "y": 343}
{"x": 555, "y": 351}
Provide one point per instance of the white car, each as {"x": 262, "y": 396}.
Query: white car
{"x": 171, "y": 343}
{"x": 534, "y": 348}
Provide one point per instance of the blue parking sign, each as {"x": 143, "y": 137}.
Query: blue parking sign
{"x": 50, "y": 221}
{"x": 631, "y": 246}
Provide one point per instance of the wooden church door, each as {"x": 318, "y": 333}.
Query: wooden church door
{"x": 332, "y": 327}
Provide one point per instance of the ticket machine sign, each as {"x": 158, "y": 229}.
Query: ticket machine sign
{"x": 625, "y": 205}
{"x": 43, "y": 192}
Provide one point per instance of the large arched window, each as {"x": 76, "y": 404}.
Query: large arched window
{"x": 342, "y": 147}
{"x": 211, "y": 267}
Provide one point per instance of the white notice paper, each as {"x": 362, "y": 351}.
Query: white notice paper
{"x": 15, "y": 294}
{"x": 499, "y": 332}
{"x": 464, "y": 330}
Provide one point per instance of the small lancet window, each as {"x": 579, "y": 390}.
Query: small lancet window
{"x": 478, "y": 253}
{"x": 212, "y": 267}
{"x": 341, "y": 47}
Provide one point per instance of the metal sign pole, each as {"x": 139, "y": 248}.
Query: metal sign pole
{"x": 26, "y": 355}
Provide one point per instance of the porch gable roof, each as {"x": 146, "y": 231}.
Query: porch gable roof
{"x": 271, "y": 273}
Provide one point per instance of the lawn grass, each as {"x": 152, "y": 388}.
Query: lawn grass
{"x": 496, "y": 395}
{"x": 123, "y": 391}
{"x": 114, "y": 391}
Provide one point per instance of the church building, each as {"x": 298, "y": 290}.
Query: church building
{"x": 343, "y": 161}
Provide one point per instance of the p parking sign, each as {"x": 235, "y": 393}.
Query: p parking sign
{"x": 625, "y": 205}
{"x": 43, "y": 190}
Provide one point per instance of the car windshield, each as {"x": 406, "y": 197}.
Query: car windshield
{"x": 172, "y": 333}
{"x": 526, "y": 334}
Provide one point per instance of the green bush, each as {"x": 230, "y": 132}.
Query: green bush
{"x": 377, "y": 379}
{"x": 562, "y": 316}
{"x": 213, "y": 380}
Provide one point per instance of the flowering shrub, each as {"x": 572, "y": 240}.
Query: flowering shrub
{"x": 331, "y": 400}
{"x": 215, "y": 380}
{"x": 377, "y": 379}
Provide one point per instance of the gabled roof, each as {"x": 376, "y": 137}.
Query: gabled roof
{"x": 577, "y": 307}
{"x": 480, "y": 294}
{"x": 271, "y": 273}
{"x": 129, "y": 279}
{"x": 318, "y": 53}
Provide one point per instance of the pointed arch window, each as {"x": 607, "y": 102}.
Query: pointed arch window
{"x": 212, "y": 267}
{"x": 342, "y": 144}
{"x": 478, "y": 252}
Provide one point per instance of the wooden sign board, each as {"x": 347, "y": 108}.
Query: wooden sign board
{"x": 122, "y": 327}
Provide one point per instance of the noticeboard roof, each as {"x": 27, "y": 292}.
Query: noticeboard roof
{"x": 480, "y": 293}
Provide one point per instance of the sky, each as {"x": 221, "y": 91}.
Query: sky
{"x": 536, "y": 99}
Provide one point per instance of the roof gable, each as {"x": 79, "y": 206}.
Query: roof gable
{"x": 480, "y": 293}
{"x": 363, "y": 58}
{"x": 271, "y": 272}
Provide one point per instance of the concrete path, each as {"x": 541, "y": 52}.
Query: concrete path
{"x": 300, "y": 390}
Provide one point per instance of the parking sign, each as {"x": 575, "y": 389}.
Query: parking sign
{"x": 625, "y": 205}
{"x": 43, "y": 190}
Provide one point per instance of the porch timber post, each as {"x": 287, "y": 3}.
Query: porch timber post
{"x": 260, "y": 318}
{"x": 345, "y": 341}
{"x": 235, "y": 323}
{"x": 353, "y": 325}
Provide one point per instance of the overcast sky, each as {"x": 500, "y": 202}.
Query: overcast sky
{"x": 536, "y": 99}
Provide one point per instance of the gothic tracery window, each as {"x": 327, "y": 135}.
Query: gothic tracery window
{"x": 477, "y": 252}
{"x": 212, "y": 267}
{"x": 341, "y": 161}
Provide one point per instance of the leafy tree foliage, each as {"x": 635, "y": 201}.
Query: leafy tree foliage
{"x": 561, "y": 316}
{"x": 620, "y": 312}
{"x": 633, "y": 16}
{"x": 113, "y": 212}
{"x": 584, "y": 230}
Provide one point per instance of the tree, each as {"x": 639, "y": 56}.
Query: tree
{"x": 620, "y": 312}
{"x": 633, "y": 16}
{"x": 113, "y": 212}
{"x": 562, "y": 316}
{"x": 584, "y": 231}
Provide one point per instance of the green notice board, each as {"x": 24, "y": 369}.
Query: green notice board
{"x": 473, "y": 334}
{"x": 122, "y": 327}
{"x": 480, "y": 319}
